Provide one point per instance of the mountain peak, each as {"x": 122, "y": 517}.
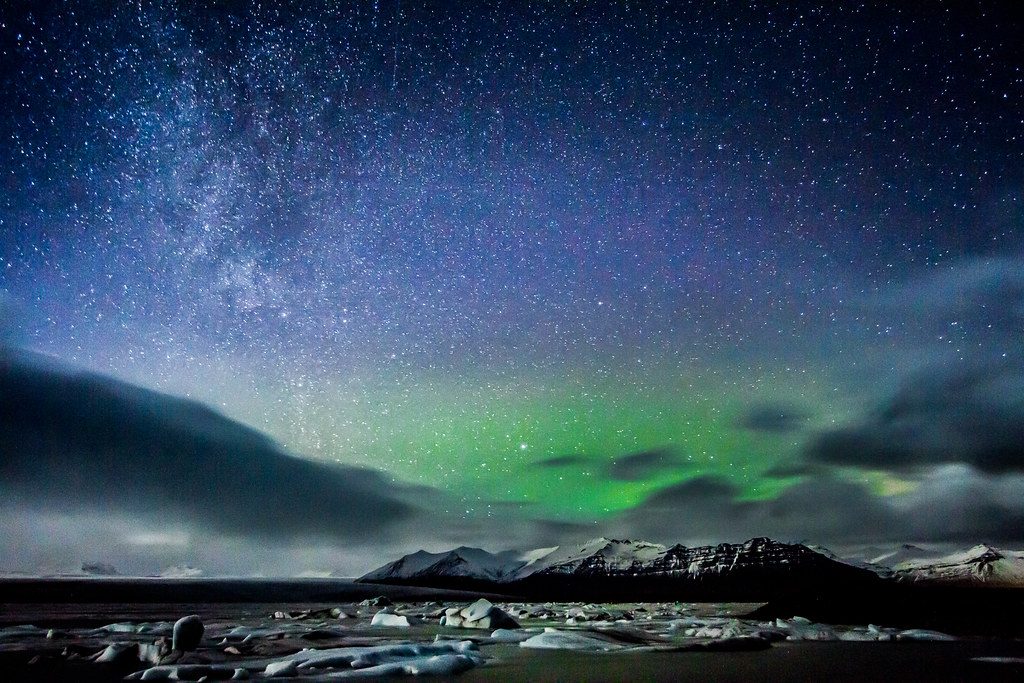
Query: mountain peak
{"x": 980, "y": 564}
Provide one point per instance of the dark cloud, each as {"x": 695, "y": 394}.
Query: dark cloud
{"x": 699, "y": 490}
{"x": 77, "y": 442}
{"x": 795, "y": 469}
{"x": 950, "y": 504}
{"x": 774, "y": 418}
{"x": 701, "y": 510}
{"x": 562, "y": 461}
{"x": 958, "y": 396}
{"x": 630, "y": 467}
{"x": 826, "y": 508}
{"x": 946, "y": 414}
{"x": 640, "y": 466}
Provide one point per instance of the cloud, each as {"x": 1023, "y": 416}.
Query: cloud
{"x": 701, "y": 490}
{"x": 989, "y": 290}
{"x": 774, "y": 418}
{"x": 945, "y": 414}
{"x": 630, "y": 467}
{"x": 957, "y": 394}
{"x": 80, "y": 444}
{"x": 562, "y": 461}
{"x": 700, "y": 510}
{"x": 640, "y": 466}
{"x": 949, "y": 504}
{"x": 958, "y": 502}
{"x": 793, "y": 469}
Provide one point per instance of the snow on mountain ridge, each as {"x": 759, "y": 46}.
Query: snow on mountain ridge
{"x": 464, "y": 562}
{"x": 981, "y": 564}
{"x": 596, "y": 553}
{"x": 602, "y": 557}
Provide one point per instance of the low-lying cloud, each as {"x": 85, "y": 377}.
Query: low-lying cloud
{"x": 77, "y": 443}
{"x": 958, "y": 392}
{"x": 954, "y": 504}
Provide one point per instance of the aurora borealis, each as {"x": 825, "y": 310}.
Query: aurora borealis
{"x": 688, "y": 270}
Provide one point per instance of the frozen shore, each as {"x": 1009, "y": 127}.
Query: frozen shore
{"x": 376, "y": 638}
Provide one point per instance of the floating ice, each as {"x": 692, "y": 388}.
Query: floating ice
{"x": 119, "y": 652}
{"x": 505, "y": 635}
{"x": 801, "y": 628}
{"x": 24, "y": 631}
{"x": 481, "y": 614}
{"x": 998, "y": 660}
{"x": 575, "y": 615}
{"x": 284, "y": 667}
{"x": 478, "y": 610}
{"x": 553, "y": 639}
{"x": 443, "y": 658}
{"x": 387, "y": 618}
{"x": 923, "y": 634}
{"x": 119, "y": 628}
{"x": 188, "y": 631}
{"x": 742, "y": 643}
{"x": 184, "y": 672}
{"x": 359, "y": 657}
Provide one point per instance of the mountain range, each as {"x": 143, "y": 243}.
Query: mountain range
{"x": 760, "y": 568}
{"x": 982, "y": 565}
{"x": 609, "y": 569}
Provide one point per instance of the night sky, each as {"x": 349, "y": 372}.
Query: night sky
{"x": 505, "y": 274}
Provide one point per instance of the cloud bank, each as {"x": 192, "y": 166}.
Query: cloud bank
{"x": 78, "y": 443}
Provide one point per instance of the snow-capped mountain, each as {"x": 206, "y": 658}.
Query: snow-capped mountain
{"x": 633, "y": 567}
{"x": 980, "y": 565}
{"x": 905, "y": 552}
{"x": 460, "y": 563}
{"x": 596, "y": 556}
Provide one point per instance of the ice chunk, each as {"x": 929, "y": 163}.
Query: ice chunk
{"x": 379, "y": 601}
{"x": 184, "y": 672}
{"x": 481, "y": 614}
{"x": 923, "y": 634}
{"x": 439, "y": 665}
{"x": 452, "y": 618}
{"x": 150, "y": 653}
{"x": 119, "y": 653}
{"x": 478, "y": 610}
{"x": 722, "y": 629}
{"x": 117, "y": 628}
{"x": 856, "y": 635}
{"x": 801, "y": 628}
{"x": 732, "y": 644}
{"x": 188, "y": 631}
{"x": 386, "y": 618}
{"x": 505, "y": 635}
{"x": 998, "y": 660}
{"x": 553, "y": 639}
{"x": 283, "y": 667}
{"x": 360, "y": 657}
{"x": 575, "y": 615}
{"x": 816, "y": 632}
{"x": 25, "y": 630}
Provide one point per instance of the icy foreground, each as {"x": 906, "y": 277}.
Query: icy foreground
{"x": 352, "y": 641}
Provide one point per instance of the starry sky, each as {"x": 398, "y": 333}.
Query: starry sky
{"x": 508, "y": 273}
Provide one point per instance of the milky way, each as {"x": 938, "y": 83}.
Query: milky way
{"x": 567, "y": 258}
